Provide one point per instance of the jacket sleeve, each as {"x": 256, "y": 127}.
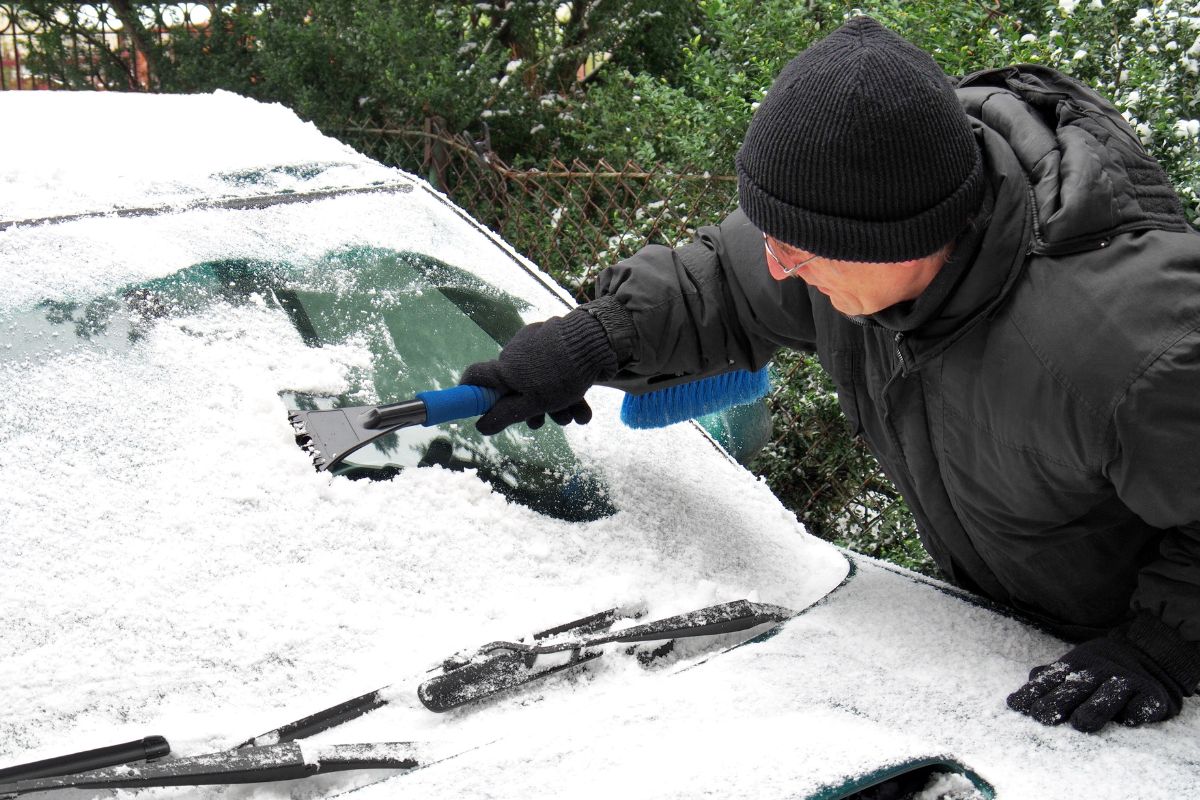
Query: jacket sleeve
{"x": 1157, "y": 474}
{"x": 703, "y": 308}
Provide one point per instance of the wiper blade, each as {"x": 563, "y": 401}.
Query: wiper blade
{"x": 498, "y": 666}
{"x": 138, "y": 750}
{"x": 364, "y": 703}
{"x": 278, "y": 762}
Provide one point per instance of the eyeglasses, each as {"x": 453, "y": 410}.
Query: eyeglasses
{"x": 782, "y": 268}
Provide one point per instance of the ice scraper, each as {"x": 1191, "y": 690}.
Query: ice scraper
{"x": 329, "y": 435}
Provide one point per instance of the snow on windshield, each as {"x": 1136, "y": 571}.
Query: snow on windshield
{"x": 174, "y": 565}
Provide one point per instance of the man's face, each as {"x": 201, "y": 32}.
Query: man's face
{"x": 855, "y": 288}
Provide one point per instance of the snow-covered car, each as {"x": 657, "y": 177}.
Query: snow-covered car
{"x": 175, "y": 568}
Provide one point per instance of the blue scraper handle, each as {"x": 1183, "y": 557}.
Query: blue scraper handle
{"x": 457, "y": 402}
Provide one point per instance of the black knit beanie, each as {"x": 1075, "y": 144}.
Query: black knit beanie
{"x": 860, "y": 151}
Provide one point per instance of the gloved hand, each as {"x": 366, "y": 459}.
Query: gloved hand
{"x": 545, "y": 369}
{"x": 1138, "y": 673}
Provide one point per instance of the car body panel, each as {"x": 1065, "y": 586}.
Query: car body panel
{"x": 890, "y": 670}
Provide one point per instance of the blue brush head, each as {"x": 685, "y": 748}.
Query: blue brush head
{"x": 695, "y": 399}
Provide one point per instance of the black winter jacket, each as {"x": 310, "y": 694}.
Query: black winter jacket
{"x": 1043, "y": 420}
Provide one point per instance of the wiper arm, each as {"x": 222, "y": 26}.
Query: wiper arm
{"x": 279, "y": 762}
{"x": 463, "y": 678}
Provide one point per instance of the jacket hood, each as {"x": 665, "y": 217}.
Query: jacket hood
{"x": 1090, "y": 177}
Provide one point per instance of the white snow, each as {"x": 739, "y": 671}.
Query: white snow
{"x": 173, "y": 565}
{"x": 160, "y": 150}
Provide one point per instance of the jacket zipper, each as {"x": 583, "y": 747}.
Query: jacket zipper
{"x": 900, "y": 353}
{"x": 898, "y": 342}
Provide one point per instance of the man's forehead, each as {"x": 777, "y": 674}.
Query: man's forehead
{"x": 779, "y": 244}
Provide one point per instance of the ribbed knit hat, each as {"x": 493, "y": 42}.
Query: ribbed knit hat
{"x": 860, "y": 151}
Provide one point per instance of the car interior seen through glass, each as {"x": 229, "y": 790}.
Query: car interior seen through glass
{"x": 421, "y": 319}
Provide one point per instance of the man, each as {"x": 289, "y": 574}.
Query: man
{"x": 1005, "y": 291}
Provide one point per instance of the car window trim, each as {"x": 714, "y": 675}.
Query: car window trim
{"x": 230, "y": 203}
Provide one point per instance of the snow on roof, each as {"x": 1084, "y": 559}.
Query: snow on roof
{"x": 158, "y": 150}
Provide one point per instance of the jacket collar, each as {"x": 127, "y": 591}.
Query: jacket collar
{"x": 934, "y": 308}
{"x": 985, "y": 263}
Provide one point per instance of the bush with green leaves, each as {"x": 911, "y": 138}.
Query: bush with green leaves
{"x": 1142, "y": 54}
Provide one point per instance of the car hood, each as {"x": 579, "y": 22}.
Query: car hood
{"x": 890, "y": 672}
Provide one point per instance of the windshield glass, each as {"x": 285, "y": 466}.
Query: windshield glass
{"x": 172, "y": 560}
{"x": 420, "y": 320}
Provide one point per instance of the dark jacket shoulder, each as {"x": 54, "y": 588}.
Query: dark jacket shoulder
{"x": 1091, "y": 177}
{"x": 1112, "y": 258}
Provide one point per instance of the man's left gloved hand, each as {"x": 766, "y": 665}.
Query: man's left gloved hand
{"x": 1138, "y": 673}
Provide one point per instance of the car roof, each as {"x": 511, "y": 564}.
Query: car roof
{"x": 176, "y": 566}
{"x": 176, "y": 149}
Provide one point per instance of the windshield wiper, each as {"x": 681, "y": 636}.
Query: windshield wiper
{"x": 280, "y": 762}
{"x": 150, "y": 747}
{"x": 466, "y": 677}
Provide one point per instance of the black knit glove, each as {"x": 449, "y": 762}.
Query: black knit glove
{"x": 545, "y": 369}
{"x": 1136, "y": 674}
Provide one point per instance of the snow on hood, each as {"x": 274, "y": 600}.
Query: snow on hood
{"x": 883, "y": 671}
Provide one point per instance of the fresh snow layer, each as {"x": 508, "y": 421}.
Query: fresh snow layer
{"x": 884, "y": 671}
{"x": 174, "y": 566}
{"x": 172, "y": 149}
{"x": 83, "y": 259}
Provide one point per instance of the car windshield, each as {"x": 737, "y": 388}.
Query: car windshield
{"x": 420, "y": 319}
{"x": 173, "y": 562}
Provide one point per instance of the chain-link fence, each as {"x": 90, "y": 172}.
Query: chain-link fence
{"x": 572, "y": 219}
{"x": 829, "y": 479}
{"x": 113, "y": 45}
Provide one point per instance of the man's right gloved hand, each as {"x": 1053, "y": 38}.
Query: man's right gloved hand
{"x": 1138, "y": 673}
{"x": 545, "y": 369}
